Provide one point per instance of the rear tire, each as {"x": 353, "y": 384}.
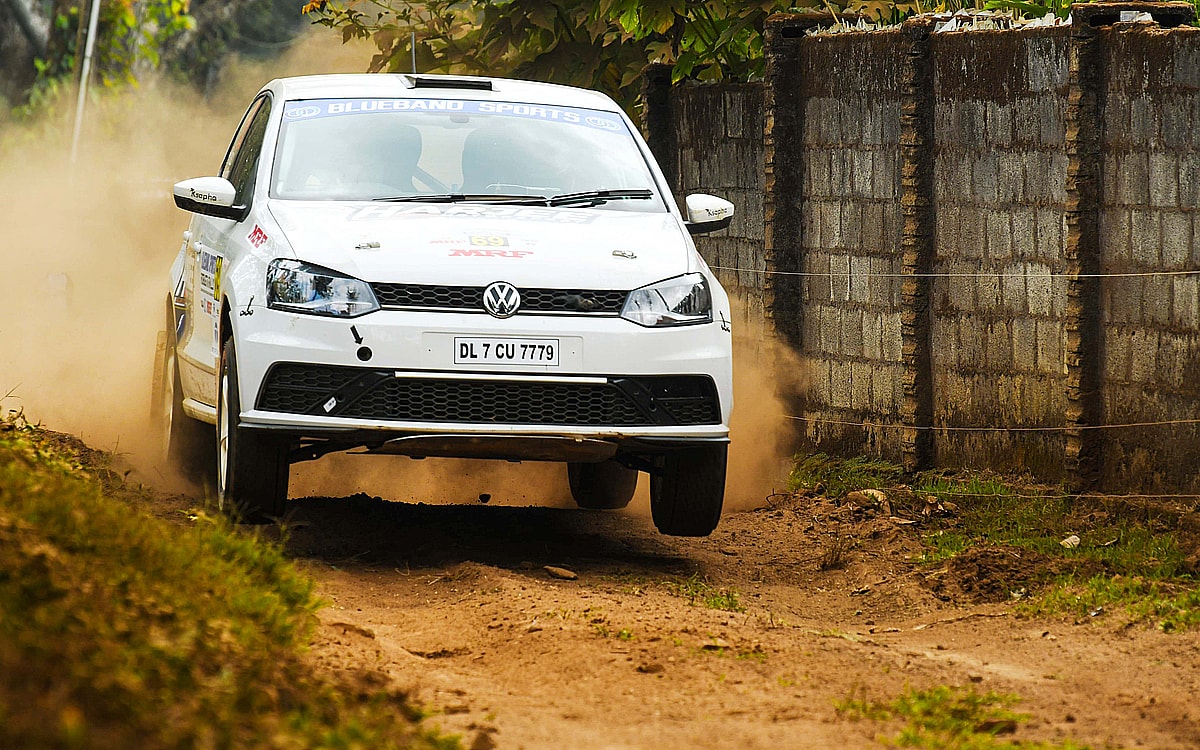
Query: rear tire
{"x": 252, "y": 467}
{"x": 184, "y": 443}
{"x": 603, "y": 486}
{"x": 687, "y": 490}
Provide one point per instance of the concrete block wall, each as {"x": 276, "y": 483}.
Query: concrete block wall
{"x": 998, "y": 295}
{"x": 1150, "y": 223}
{"x": 721, "y": 153}
{"x": 848, "y": 155}
{"x": 984, "y": 245}
{"x": 716, "y": 137}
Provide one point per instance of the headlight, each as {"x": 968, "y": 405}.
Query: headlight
{"x": 301, "y": 287}
{"x": 682, "y": 300}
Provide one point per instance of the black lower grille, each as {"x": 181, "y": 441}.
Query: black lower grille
{"x": 498, "y": 402}
{"x": 363, "y": 393}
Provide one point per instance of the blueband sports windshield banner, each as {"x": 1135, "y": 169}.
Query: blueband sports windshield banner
{"x": 314, "y": 109}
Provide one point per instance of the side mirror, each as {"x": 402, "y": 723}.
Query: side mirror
{"x": 211, "y": 196}
{"x": 707, "y": 213}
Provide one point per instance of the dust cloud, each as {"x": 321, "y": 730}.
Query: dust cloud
{"x": 87, "y": 251}
{"x": 766, "y": 374}
{"x": 87, "y": 248}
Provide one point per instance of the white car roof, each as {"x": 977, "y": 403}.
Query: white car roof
{"x": 400, "y": 85}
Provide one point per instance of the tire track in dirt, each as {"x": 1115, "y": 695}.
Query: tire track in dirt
{"x": 452, "y": 604}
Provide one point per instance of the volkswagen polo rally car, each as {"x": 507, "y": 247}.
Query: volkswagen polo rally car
{"x": 447, "y": 266}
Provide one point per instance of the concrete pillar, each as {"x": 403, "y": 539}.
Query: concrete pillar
{"x": 1084, "y": 317}
{"x": 658, "y": 121}
{"x": 917, "y": 245}
{"x": 783, "y": 164}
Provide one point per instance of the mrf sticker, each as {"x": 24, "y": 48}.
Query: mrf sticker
{"x": 488, "y": 252}
{"x": 257, "y": 237}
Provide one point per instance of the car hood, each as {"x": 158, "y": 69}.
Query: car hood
{"x": 476, "y": 244}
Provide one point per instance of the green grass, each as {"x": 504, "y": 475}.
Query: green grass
{"x": 1130, "y": 558}
{"x": 838, "y": 476}
{"x": 1171, "y": 607}
{"x": 989, "y": 511}
{"x": 698, "y": 592}
{"x": 118, "y": 629}
{"x": 948, "y": 717}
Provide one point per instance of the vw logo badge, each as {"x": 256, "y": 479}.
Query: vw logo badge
{"x": 501, "y": 299}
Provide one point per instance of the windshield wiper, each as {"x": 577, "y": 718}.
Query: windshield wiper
{"x": 596, "y": 197}
{"x": 590, "y": 198}
{"x": 511, "y": 200}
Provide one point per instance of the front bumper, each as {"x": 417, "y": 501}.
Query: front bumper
{"x": 391, "y": 374}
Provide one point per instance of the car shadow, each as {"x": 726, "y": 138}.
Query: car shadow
{"x": 361, "y": 530}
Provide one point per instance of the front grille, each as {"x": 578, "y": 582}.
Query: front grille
{"x": 496, "y": 402}
{"x": 470, "y": 299}
{"x": 363, "y": 393}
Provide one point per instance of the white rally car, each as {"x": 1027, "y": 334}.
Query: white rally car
{"x": 447, "y": 266}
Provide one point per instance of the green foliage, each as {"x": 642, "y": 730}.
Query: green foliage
{"x": 948, "y": 717}
{"x": 604, "y": 45}
{"x": 1039, "y": 8}
{"x": 121, "y": 630}
{"x": 131, "y": 35}
{"x": 837, "y": 476}
{"x": 1032, "y": 9}
{"x": 129, "y": 38}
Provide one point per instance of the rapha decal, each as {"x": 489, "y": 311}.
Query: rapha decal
{"x": 202, "y": 196}
{"x": 487, "y": 252}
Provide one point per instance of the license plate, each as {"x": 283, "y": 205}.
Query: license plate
{"x": 497, "y": 351}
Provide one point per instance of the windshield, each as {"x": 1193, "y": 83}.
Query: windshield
{"x": 380, "y": 149}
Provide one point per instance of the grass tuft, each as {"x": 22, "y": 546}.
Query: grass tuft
{"x": 1170, "y": 607}
{"x": 948, "y": 717}
{"x": 698, "y": 591}
{"x": 834, "y": 477}
{"x": 118, "y": 629}
{"x": 837, "y": 554}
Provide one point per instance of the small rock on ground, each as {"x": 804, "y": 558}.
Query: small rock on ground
{"x": 560, "y": 573}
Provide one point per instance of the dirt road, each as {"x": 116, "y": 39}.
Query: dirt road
{"x": 454, "y": 604}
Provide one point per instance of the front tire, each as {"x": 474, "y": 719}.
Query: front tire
{"x": 184, "y": 443}
{"x": 602, "y": 486}
{"x": 252, "y": 467}
{"x": 687, "y": 490}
